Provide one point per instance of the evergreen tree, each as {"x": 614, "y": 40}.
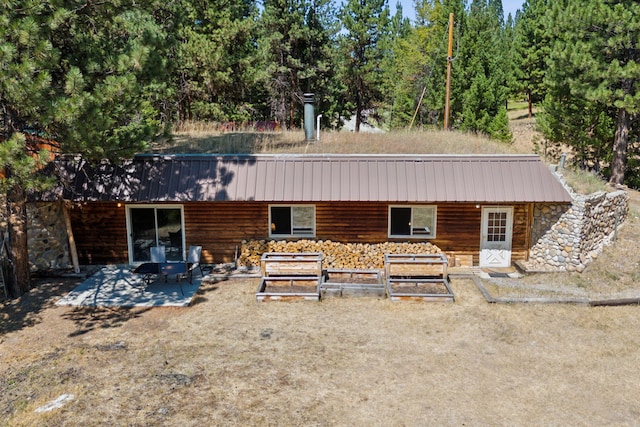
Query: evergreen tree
{"x": 392, "y": 65}
{"x": 531, "y": 49}
{"x": 85, "y": 77}
{"x": 294, "y": 46}
{"x": 215, "y": 62}
{"x": 365, "y": 31}
{"x": 595, "y": 53}
{"x": 483, "y": 74}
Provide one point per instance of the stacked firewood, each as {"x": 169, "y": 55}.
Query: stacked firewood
{"x": 335, "y": 255}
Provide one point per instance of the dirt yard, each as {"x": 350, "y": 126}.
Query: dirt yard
{"x": 229, "y": 360}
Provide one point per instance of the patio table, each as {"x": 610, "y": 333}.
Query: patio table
{"x": 150, "y": 269}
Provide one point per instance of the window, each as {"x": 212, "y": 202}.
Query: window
{"x": 149, "y": 226}
{"x": 412, "y": 221}
{"x": 297, "y": 221}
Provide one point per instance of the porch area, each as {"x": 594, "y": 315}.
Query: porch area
{"x": 118, "y": 286}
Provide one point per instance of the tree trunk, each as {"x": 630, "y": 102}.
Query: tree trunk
{"x": 19, "y": 281}
{"x": 530, "y": 102}
{"x": 620, "y": 145}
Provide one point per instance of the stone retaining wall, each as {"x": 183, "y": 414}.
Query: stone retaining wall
{"x": 47, "y": 235}
{"x": 569, "y": 237}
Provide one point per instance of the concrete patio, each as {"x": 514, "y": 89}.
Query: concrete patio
{"x": 118, "y": 286}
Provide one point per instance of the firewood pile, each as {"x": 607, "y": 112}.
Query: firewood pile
{"x": 335, "y": 255}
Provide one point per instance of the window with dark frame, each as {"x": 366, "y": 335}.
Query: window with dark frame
{"x": 412, "y": 221}
{"x": 294, "y": 220}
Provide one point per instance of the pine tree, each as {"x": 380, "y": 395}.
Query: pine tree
{"x": 85, "y": 77}
{"x": 421, "y": 61}
{"x": 595, "y": 53}
{"x": 215, "y": 60}
{"x": 531, "y": 49}
{"x": 365, "y": 30}
{"x": 483, "y": 73}
{"x": 294, "y": 40}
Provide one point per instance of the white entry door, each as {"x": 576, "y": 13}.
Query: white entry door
{"x": 495, "y": 241}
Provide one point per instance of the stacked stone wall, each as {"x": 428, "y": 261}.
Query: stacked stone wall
{"x": 47, "y": 236}
{"x": 569, "y": 237}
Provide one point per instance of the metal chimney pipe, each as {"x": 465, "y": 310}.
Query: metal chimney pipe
{"x": 309, "y": 116}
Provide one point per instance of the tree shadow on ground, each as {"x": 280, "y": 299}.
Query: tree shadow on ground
{"x": 26, "y": 311}
{"x": 87, "y": 319}
{"x": 206, "y": 287}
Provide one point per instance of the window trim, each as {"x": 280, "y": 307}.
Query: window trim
{"x": 432, "y": 235}
{"x": 292, "y": 235}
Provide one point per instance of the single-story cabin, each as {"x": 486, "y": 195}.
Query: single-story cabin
{"x": 478, "y": 205}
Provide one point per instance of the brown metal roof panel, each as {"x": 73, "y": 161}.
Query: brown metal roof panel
{"x": 363, "y": 177}
{"x": 408, "y": 174}
{"x": 423, "y": 186}
{"x": 510, "y": 181}
{"x": 204, "y": 181}
{"x": 299, "y": 181}
{"x": 344, "y": 184}
{"x": 316, "y": 181}
{"x": 471, "y": 186}
{"x": 390, "y": 182}
{"x": 270, "y": 174}
{"x": 444, "y": 181}
{"x": 380, "y": 183}
{"x": 259, "y": 190}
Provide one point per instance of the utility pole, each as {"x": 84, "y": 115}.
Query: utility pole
{"x": 449, "y": 60}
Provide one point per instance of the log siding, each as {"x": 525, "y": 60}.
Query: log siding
{"x": 219, "y": 227}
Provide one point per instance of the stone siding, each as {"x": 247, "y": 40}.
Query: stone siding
{"x": 47, "y": 236}
{"x": 569, "y": 237}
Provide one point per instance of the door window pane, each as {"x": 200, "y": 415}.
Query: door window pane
{"x": 170, "y": 232}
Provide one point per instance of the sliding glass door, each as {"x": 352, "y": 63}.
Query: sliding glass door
{"x": 149, "y": 226}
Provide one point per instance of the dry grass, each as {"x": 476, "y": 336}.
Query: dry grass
{"x": 229, "y": 360}
{"x": 584, "y": 182}
{"x": 416, "y": 142}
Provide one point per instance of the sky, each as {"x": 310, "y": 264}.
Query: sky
{"x": 509, "y": 6}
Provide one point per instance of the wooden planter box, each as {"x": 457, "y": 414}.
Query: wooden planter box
{"x": 291, "y": 264}
{"x": 290, "y": 276}
{"x": 289, "y": 289}
{"x": 415, "y": 265}
{"x": 420, "y": 277}
{"x": 352, "y": 283}
{"x": 419, "y": 290}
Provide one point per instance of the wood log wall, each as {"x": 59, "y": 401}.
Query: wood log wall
{"x": 221, "y": 227}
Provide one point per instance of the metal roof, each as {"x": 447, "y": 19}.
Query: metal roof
{"x": 313, "y": 178}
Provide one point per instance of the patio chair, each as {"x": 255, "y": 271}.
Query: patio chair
{"x": 158, "y": 254}
{"x": 193, "y": 260}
